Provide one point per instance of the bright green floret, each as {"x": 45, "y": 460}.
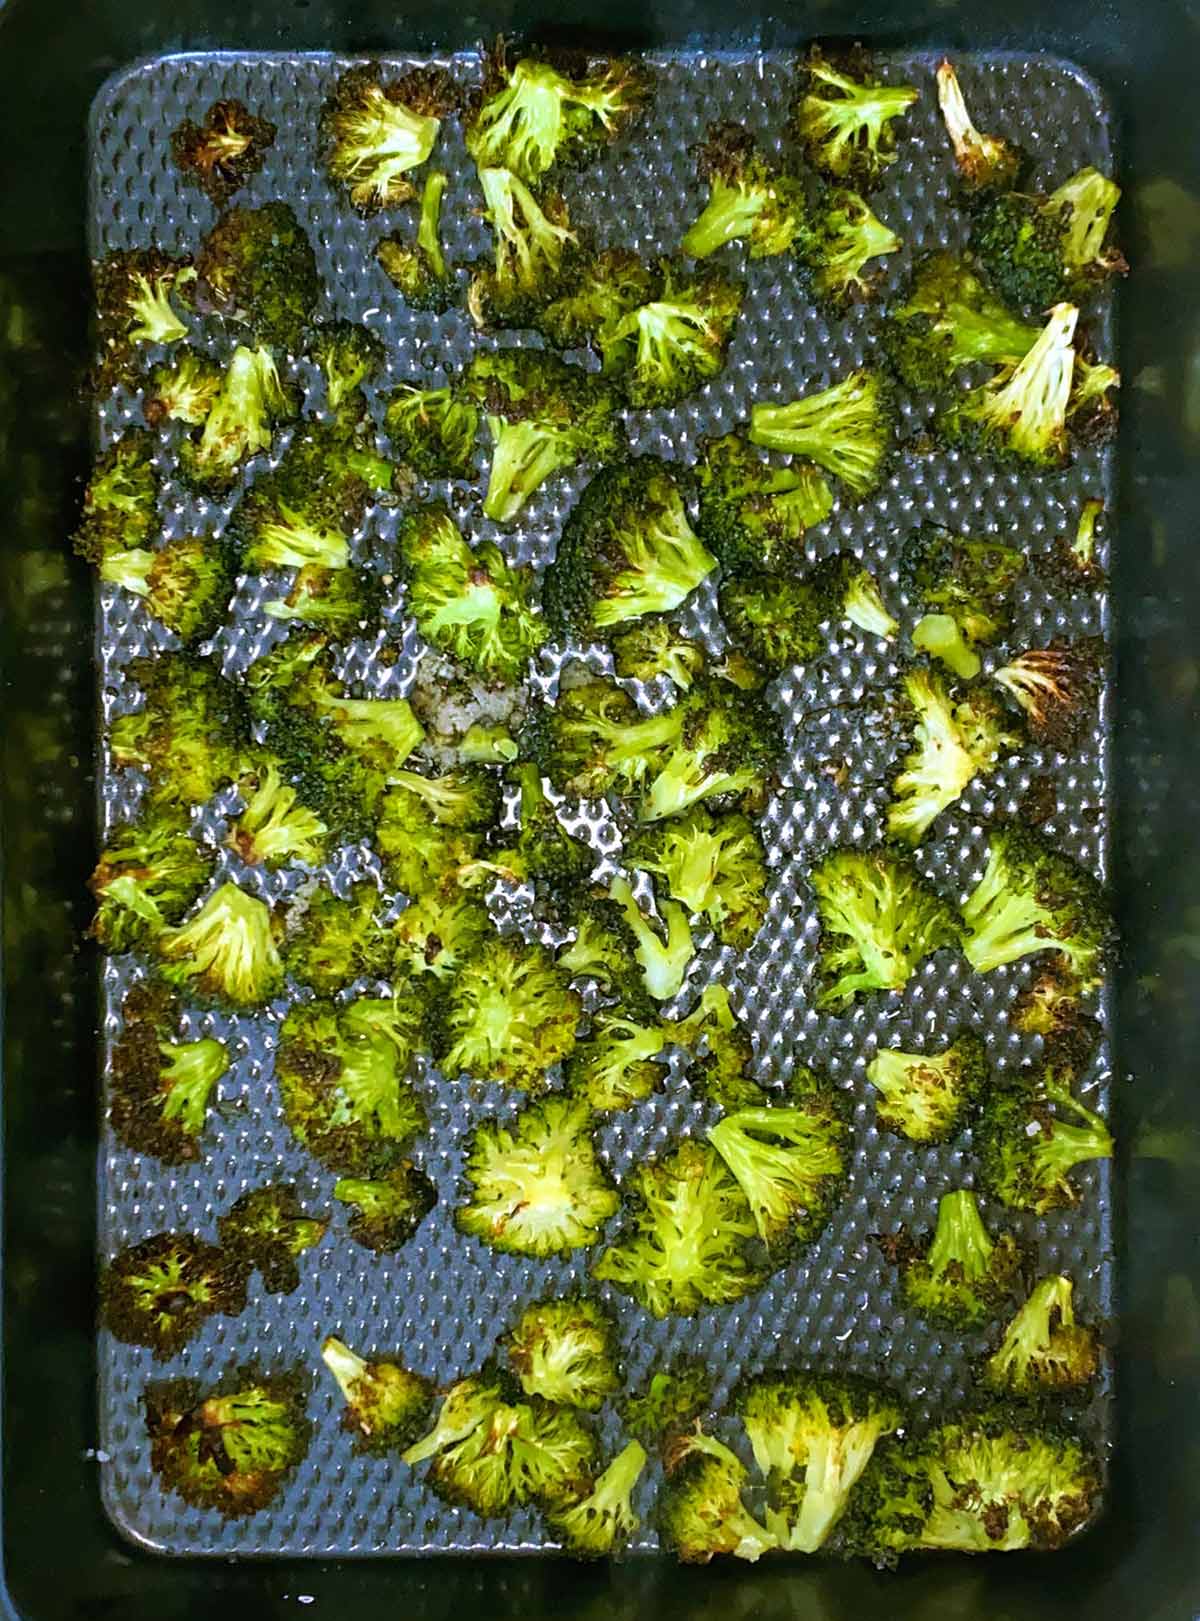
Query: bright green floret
{"x": 753, "y": 514}
{"x": 120, "y": 503}
{"x": 616, "y": 1066}
{"x": 227, "y": 950}
{"x": 1030, "y": 1136}
{"x": 847, "y": 429}
{"x": 1044, "y": 1348}
{"x": 962, "y": 1276}
{"x": 715, "y": 866}
{"x": 948, "y": 319}
{"x": 748, "y": 198}
{"x": 387, "y": 1407}
{"x": 662, "y": 351}
{"x": 377, "y": 131}
{"x": 1021, "y": 414}
{"x": 844, "y": 236}
{"x": 566, "y": 1351}
{"x": 274, "y": 828}
{"x": 534, "y": 251}
{"x": 954, "y": 741}
{"x": 929, "y": 1097}
{"x": 780, "y": 621}
{"x": 509, "y": 1015}
{"x": 842, "y": 117}
{"x": 1038, "y": 250}
{"x": 189, "y": 736}
{"x": 790, "y": 1161}
{"x": 186, "y": 582}
{"x": 253, "y": 401}
{"x": 147, "y": 877}
{"x": 601, "y": 1525}
{"x": 344, "y": 601}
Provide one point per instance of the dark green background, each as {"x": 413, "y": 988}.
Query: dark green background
{"x": 61, "y": 1559}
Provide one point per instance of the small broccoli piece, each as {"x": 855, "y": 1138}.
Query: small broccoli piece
{"x": 161, "y": 1088}
{"x": 188, "y": 735}
{"x": 662, "y": 351}
{"x": 985, "y": 162}
{"x": 663, "y": 947}
{"x": 777, "y": 620}
{"x": 387, "y": 1407}
{"x": 1036, "y": 251}
{"x": 601, "y": 1524}
{"x": 841, "y": 239}
{"x": 953, "y": 743}
{"x": 185, "y": 582}
{"x": 595, "y": 739}
{"x": 344, "y": 600}
{"x": 268, "y": 1230}
{"x": 747, "y": 197}
{"x": 148, "y": 875}
{"x": 841, "y": 118}
{"x": 331, "y": 779}
{"x": 535, "y": 248}
{"x": 929, "y": 1097}
{"x": 1091, "y": 414}
{"x": 274, "y": 828}
{"x": 1026, "y": 1151}
{"x": 120, "y": 504}
{"x": 469, "y": 601}
{"x": 375, "y": 132}
{"x": 421, "y": 857}
{"x": 332, "y": 941}
{"x": 669, "y": 1403}
{"x": 790, "y": 1161}
{"x": 685, "y": 1240}
{"x": 418, "y": 269}
{"x": 542, "y": 851}
{"x": 257, "y": 266}
{"x": 966, "y": 581}
{"x": 601, "y": 288}
{"x": 543, "y": 416}
{"x": 939, "y": 636}
{"x": 380, "y": 732}
{"x": 158, "y": 1293}
{"x": 754, "y": 515}
{"x": 432, "y": 430}
{"x": 1055, "y": 688}
{"x": 719, "y": 1050}
{"x": 948, "y": 319}
{"x": 1021, "y": 414}
{"x": 252, "y": 402}
{"x": 653, "y": 647}
{"x": 437, "y": 933}
{"x": 1031, "y": 899}
{"x": 1044, "y": 1348}
{"x": 714, "y": 865}
{"x": 183, "y": 389}
{"x": 1049, "y": 1007}
{"x": 537, "y": 1186}
{"x": 138, "y": 294}
{"x": 960, "y": 1277}
{"x": 847, "y": 429}
{"x": 846, "y": 589}
{"x": 348, "y": 355}
{"x": 566, "y": 1351}
{"x": 879, "y": 918}
{"x": 232, "y": 1447}
{"x": 509, "y": 1015}
{"x": 700, "y": 1509}
{"x": 227, "y": 950}
{"x": 615, "y": 1066}
{"x": 387, "y": 1210}
{"x": 467, "y": 797}
{"x": 220, "y": 155}
{"x": 604, "y": 949}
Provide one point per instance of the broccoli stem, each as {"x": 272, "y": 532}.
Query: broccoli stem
{"x": 428, "y": 237}
{"x": 523, "y": 458}
{"x": 730, "y": 213}
{"x": 939, "y": 635}
{"x": 345, "y": 1366}
{"x": 961, "y": 1239}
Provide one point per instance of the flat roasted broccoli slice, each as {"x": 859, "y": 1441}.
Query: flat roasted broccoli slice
{"x": 1020, "y": 415}
{"x": 377, "y": 131}
{"x": 227, "y": 951}
{"x": 159, "y": 1293}
{"x": 838, "y": 243}
{"x": 967, "y": 581}
{"x": 387, "y": 1406}
{"x": 190, "y": 733}
{"x": 1055, "y": 688}
{"x": 509, "y": 1015}
{"x": 422, "y": 856}
{"x": 753, "y": 514}
{"x": 719, "y": 1051}
{"x": 274, "y": 828}
{"x": 791, "y": 1162}
{"x": 223, "y": 152}
{"x": 140, "y": 296}
{"x": 468, "y": 796}
{"x": 661, "y": 351}
{"x": 652, "y": 647}
{"x": 669, "y": 1403}
{"x": 599, "y": 1526}
{"x": 842, "y": 116}
{"x": 948, "y": 319}
{"x": 960, "y": 1276}
{"x": 344, "y": 601}
{"x": 1030, "y": 1136}
{"x": 333, "y": 940}
{"x": 701, "y": 1512}
{"x": 748, "y": 197}
{"x": 418, "y": 268}
{"x": 387, "y": 1210}
{"x": 847, "y": 429}
{"x": 1044, "y": 1348}
{"x": 161, "y": 1087}
{"x": 432, "y": 431}
{"x": 714, "y": 865}
{"x": 615, "y": 1066}
{"x": 182, "y": 389}
{"x": 257, "y": 266}
{"x": 985, "y": 163}
{"x": 929, "y": 1097}
{"x": 349, "y": 355}
{"x": 566, "y": 1351}
{"x": 537, "y": 1186}
{"x": 685, "y": 1242}
{"x": 252, "y": 402}
{"x": 148, "y": 875}
{"x": 955, "y": 739}
{"x": 120, "y": 503}
{"x": 269, "y": 1229}
{"x": 1036, "y": 251}
{"x": 534, "y": 253}
{"x": 598, "y": 290}
{"x": 185, "y": 582}
{"x": 879, "y": 918}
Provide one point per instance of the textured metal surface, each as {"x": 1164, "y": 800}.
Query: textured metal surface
{"x": 442, "y": 1302}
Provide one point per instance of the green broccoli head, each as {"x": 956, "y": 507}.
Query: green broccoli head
{"x": 1044, "y": 1348}
{"x": 597, "y": 290}
{"x": 161, "y": 1088}
{"x": 468, "y": 796}
{"x": 776, "y": 619}
{"x": 748, "y": 198}
{"x": 432, "y": 431}
{"x": 719, "y": 1051}
{"x": 120, "y": 503}
{"x": 929, "y": 1097}
{"x": 257, "y": 266}
{"x": 274, "y": 827}
{"x": 701, "y": 1512}
{"x": 387, "y": 1406}
{"x": 268, "y": 1230}
{"x": 252, "y": 401}
{"x": 847, "y": 429}
{"x": 599, "y": 1526}
{"x": 791, "y": 1163}
{"x": 189, "y": 736}
{"x": 1020, "y": 415}
{"x": 331, "y": 941}
{"x": 220, "y": 155}
{"x": 418, "y": 268}
{"x": 842, "y": 117}
{"x": 182, "y": 389}
{"x": 566, "y": 1351}
{"x": 841, "y": 239}
{"x": 147, "y": 877}
{"x": 1055, "y": 688}
{"x": 537, "y": 1186}
{"x": 509, "y": 1015}
{"x": 986, "y": 163}
{"x": 670, "y": 1402}
{"x": 616, "y": 1065}
{"x": 661, "y": 351}
{"x": 376, "y": 132}
{"x": 227, "y": 951}
{"x": 752, "y": 514}
{"x": 349, "y": 355}
{"x": 346, "y": 601}
{"x": 160, "y": 1292}
{"x": 387, "y": 1210}
{"x": 534, "y": 253}
{"x": 652, "y": 647}
{"x": 713, "y": 865}
{"x": 1030, "y": 1136}
{"x": 421, "y": 856}
{"x": 968, "y": 581}
{"x": 960, "y": 1276}
{"x": 437, "y": 933}
{"x": 140, "y": 296}
{"x": 954, "y": 741}
{"x": 1036, "y": 251}
{"x": 949, "y": 319}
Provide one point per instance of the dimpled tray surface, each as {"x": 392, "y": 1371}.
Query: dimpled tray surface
{"x": 443, "y": 1300}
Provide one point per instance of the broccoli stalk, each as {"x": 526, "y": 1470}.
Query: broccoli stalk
{"x": 961, "y": 1278}
{"x": 929, "y": 1097}
{"x": 418, "y": 269}
{"x": 665, "y": 349}
{"x": 953, "y": 743}
{"x": 1044, "y": 1348}
{"x": 985, "y": 162}
{"x": 747, "y": 197}
{"x": 227, "y": 950}
{"x": 1021, "y": 414}
{"x": 790, "y": 1161}
{"x": 663, "y": 959}
{"x": 700, "y": 1510}
{"x": 565, "y": 1351}
{"x": 842, "y": 117}
{"x": 387, "y": 1210}
{"x": 376, "y": 133}
{"x": 1026, "y": 1152}
{"x": 601, "y": 1524}
{"x": 846, "y": 429}
{"x": 387, "y": 1407}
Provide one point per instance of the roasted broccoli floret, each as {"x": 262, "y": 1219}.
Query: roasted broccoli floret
{"x": 653, "y": 647}
{"x": 753, "y": 514}
{"x": 349, "y": 355}
{"x": 332, "y": 940}
{"x": 148, "y": 874}
{"x": 663, "y": 947}
{"x": 700, "y": 1509}
{"x": 847, "y": 429}
{"x": 1036, "y": 251}
{"x": 961, "y": 1276}
{"x": 227, "y": 950}
{"x": 604, "y": 949}
{"x": 879, "y": 918}
{"x": 274, "y": 828}
{"x": 188, "y": 736}
{"x": 509, "y": 1015}
{"x": 566, "y": 1351}
{"x": 120, "y": 503}
{"x": 840, "y": 240}
{"x": 1021, "y": 414}
{"x": 1030, "y": 1135}
{"x": 432, "y": 430}
{"x": 469, "y": 601}
{"x": 183, "y": 389}
{"x": 929, "y": 1097}
{"x": 685, "y": 1240}
{"x": 615, "y": 1066}
{"x": 468, "y": 797}
{"x": 344, "y": 601}
{"x": 387, "y": 1407}
{"x": 376, "y": 131}
{"x": 985, "y": 162}
{"x": 138, "y": 296}
{"x": 267, "y": 1229}
{"x": 779, "y": 620}
{"x": 186, "y": 582}
{"x": 387, "y": 1210}
{"x": 161, "y": 1087}
{"x": 225, "y": 151}
{"x": 1044, "y": 1348}
{"x": 1055, "y": 688}
{"x": 954, "y": 740}
{"x": 965, "y": 581}
{"x": 534, "y": 247}
{"x": 541, "y": 851}
{"x": 661, "y": 351}
{"x": 437, "y": 933}
{"x": 1049, "y": 1007}
{"x": 418, "y": 269}
{"x": 601, "y": 1524}
{"x": 601, "y": 288}
{"x": 748, "y": 197}
{"x": 714, "y": 865}
{"x": 1032, "y": 899}
{"x": 1092, "y": 415}
{"x": 719, "y": 1051}
{"x": 669, "y": 1403}
{"x": 257, "y": 266}
{"x": 842, "y": 117}
{"x": 158, "y": 1293}
{"x": 422, "y": 857}
{"x": 537, "y": 1186}
{"x": 948, "y": 319}
{"x": 252, "y": 402}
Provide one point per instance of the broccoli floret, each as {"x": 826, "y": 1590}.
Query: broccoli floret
{"x": 939, "y": 636}
{"x": 1055, "y": 688}
{"x": 954, "y": 741}
{"x": 257, "y": 266}
{"x": 1032, "y": 899}
{"x": 813, "y": 1435}
{"x": 669, "y": 1403}
{"x": 158, "y": 1293}
{"x": 791, "y": 1163}
{"x": 543, "y": 416}
{"x": 387, "y": 1407}
{"x": 929, "y": 1097}
{"x": 468, "y": 797}
{"x": 719, "y": 1051}
{"x": 961, "y": 1276}
{"x": 653, "y": 647}
{"x": 700, "y": 1509}
{"x": 842, "y": 117}
{"x": 252, "y": 402}
{"x": 493, "y": 1452}
{"x": 847, "y": 429}
{"x": 948, "y": 319}
{"x": 663, "y": 948}
{"x": 685, "y": 1241}
{"x": 161, "y": 1087}
{"x": 1091, "y": 414}
{"x": 985, "y": 162}
{"x": 437, "y": 933}
{"x": 148, "y": 875}
{"x": 966, "y": 581}
{"x": 138, "y": 295}
{"x": 418, "y": 268}
{"x": 1049, "y": 1007}
{"x": 469, "y": 601}
{"x": 615, "y": 1066}
{"x": 432, "y": 430}
{"x": 186, "y": 583}
{"x": 542, "y": 851}
{"x": 1044, "y": 1348}
{"x": 747, "y": 197}
{"x": 838, "y": 243}
{"x": 537, "y": 1186}
{"x": 1021, "y": 414}
{"x": 421, "y": 857}
{"x": 348, "y": 355}
{"x": 509, "y": 1015}
{"x": 188, "y": 736}
{"x": 1028, "y": 1143}
{"x": 183, "y": 389}
{"x": 387, "y": 1210}
{"x": 604, "y": 949}
{"x": 274, "y": 828}
{"x": 332, "y": 941}
{"x": 753, "y": 515}
{"x": 227, "y": 950}
{"x": 879, "y": 918}
{"x": 268, "y": 1229}
{"x": 600, "y": 289}
{"x": 375, "y": 132}
{"x": 601, "y": 1524}
{"x": 1036, "y": 251}
{"x": 714, "y": 865}
{"x": 566, "y": 1351}
{"x": 344, "y": 600}
{"x": 220, "y": 155}
{"x": 662, "y": 351}
{"x": 779, "y": 620}
{"x": 380, "y": 732}
{"x": 535, "y": 248}
{"x": 120, "y": 504}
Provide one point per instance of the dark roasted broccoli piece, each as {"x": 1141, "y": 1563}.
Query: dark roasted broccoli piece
{"x": 965, "y": 581}
{"x": 661, "y": 351}
{"x": 227, "y": 951}
{"x": 349, "y": 355}
{"x": 274, "y": 828}
{"x": 418, "y": 269}
{"x": 779, "y": 621}
{"x": 509, "y": 1015}
{"x": 1044, "y": 1348}
{"x": 158, "y": 1293}
{"x": 847, "y": 429}
{"x": 421, "y": 856}
{"x": 188, "y": 736}
{"x": 387, "y": 1407}
{"x": 252, "y": 402}
{"x": 714, "y": 865}
{"x": 929, "y": 1097}
{"x": 600, "y": 289}
{"x": 652, "y": 647}
{"x": 955, "y": 739}
{"x": 719, "y": 1051}
{"x": 700, "y": 1509}
{"x": 839, "y": 241}
{"x": 120, "y": 503}
{"x": 669, "y": 1403}
{"x": 604, "y": 949}
{"x": 182, "y": 389}
{"x": 961, "y": 1276}
{"x": 985, "y": 162}
{"x": 1030, "y": 1135}
{"x": 375, "y": 132}
{"x": 1020, "y": 415}
{"x": 748, "y": 197}
{"x": 842, "y": 115}
{"x": 615, "y": 1066}
{"x": 948, "y": 319}
{"x": 387, "y": 1210}
{"x": 186, "y": 582}
{"x": 257, "y": 266}
{"x": 432, "y": 430}
{"x": 267, "y": 1229}
{"x": 1092, "y": 416}
{"x": 331, "y": 940}
{"x": 225, "y": 151}
{"x": 148, "y": 875}
{"x": 535, "y": 247}
{"x": 437, "y": 933}
{"x": 600, "y": 1525}
{"x": 161, "y": 1087}
{"x": 1055, "y": 688}
{"x": 753, "y": 514}
{"x": 566, "y": 1351}
{"x": 1037, "y": 251}
{"x": 1049, "y": 1007}
{"x": 138, "y": 296}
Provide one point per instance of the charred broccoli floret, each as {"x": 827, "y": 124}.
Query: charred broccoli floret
{"x": 183, "y": 389}
{"x": 985, "y": 162}
{"x": 719, "y": 1051}
{"x": 669, "y": 1403}
{"x": 376, "y": 132}
{"x": 846, "y": 429}
{"x": 879, "y": 918}
{"x": 954, "y": 740}
{"x": 652, "y": 647}
{"x": 509, "y": 1015}
{"x": 534, "y": 248}
{"x": 1036, "y": 251}
{"x": 1030, "y": 1135}
{"x": 748, "y": 197}
{"x": 1055, "y": 688}
{"x": 120, "y": 503}
{"x": 1021, "y": 414}
{"x": 387, "y": 1211}
{"x": 387, "y": 1406}
{"x": 753, "y": 515}
{"x": 661, "y": 351}
{"x": 418, "y": 269}
{"x": 138, "y": 296}
{"x": 840, "y": 240}
{"x": 1049, "y": 1007}
{"x": 161, "y": 1087}
{"x": 966, "y": 581}
{"x": 437, "y": 933}
{"x": 1044, "y": 1348}
{"x": 225, "y": 151}
{"x": 929, "y": 1097}
{"x": 421, "y": 856}
{"x": 148, "y": 875}
{"x": 566, "y": 1351}
{"x": 948, "y": 319}
{"x": 185, "y": 582}
{"x": 1092, "y": 415}
{"x": 267, "y": 1229}
{"x": 537, "y": 1186}
{"x": 961, "y": 1276}
{"x": 274, "y": 828}
{"x": 600, "y": 289}
{"x": 158, "y": 1293}
{"x": 700, "y": 1509}
{"x": 257, "y": 266}
{"x": 332, "y": 940}
{"x": 432, "y": 430}
{"x": 349, "y": 355}
{"x": 227, "y": 950}
{"x": 252, "y": 402}
{"x": 714, "y": 865}
{"x": 615, "y": 1066}
{"x": 188, "y": 736}
{"x": 600, "y": 1525}
{"x": 542, "y": 851}
{"x": 842, "y": 117}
